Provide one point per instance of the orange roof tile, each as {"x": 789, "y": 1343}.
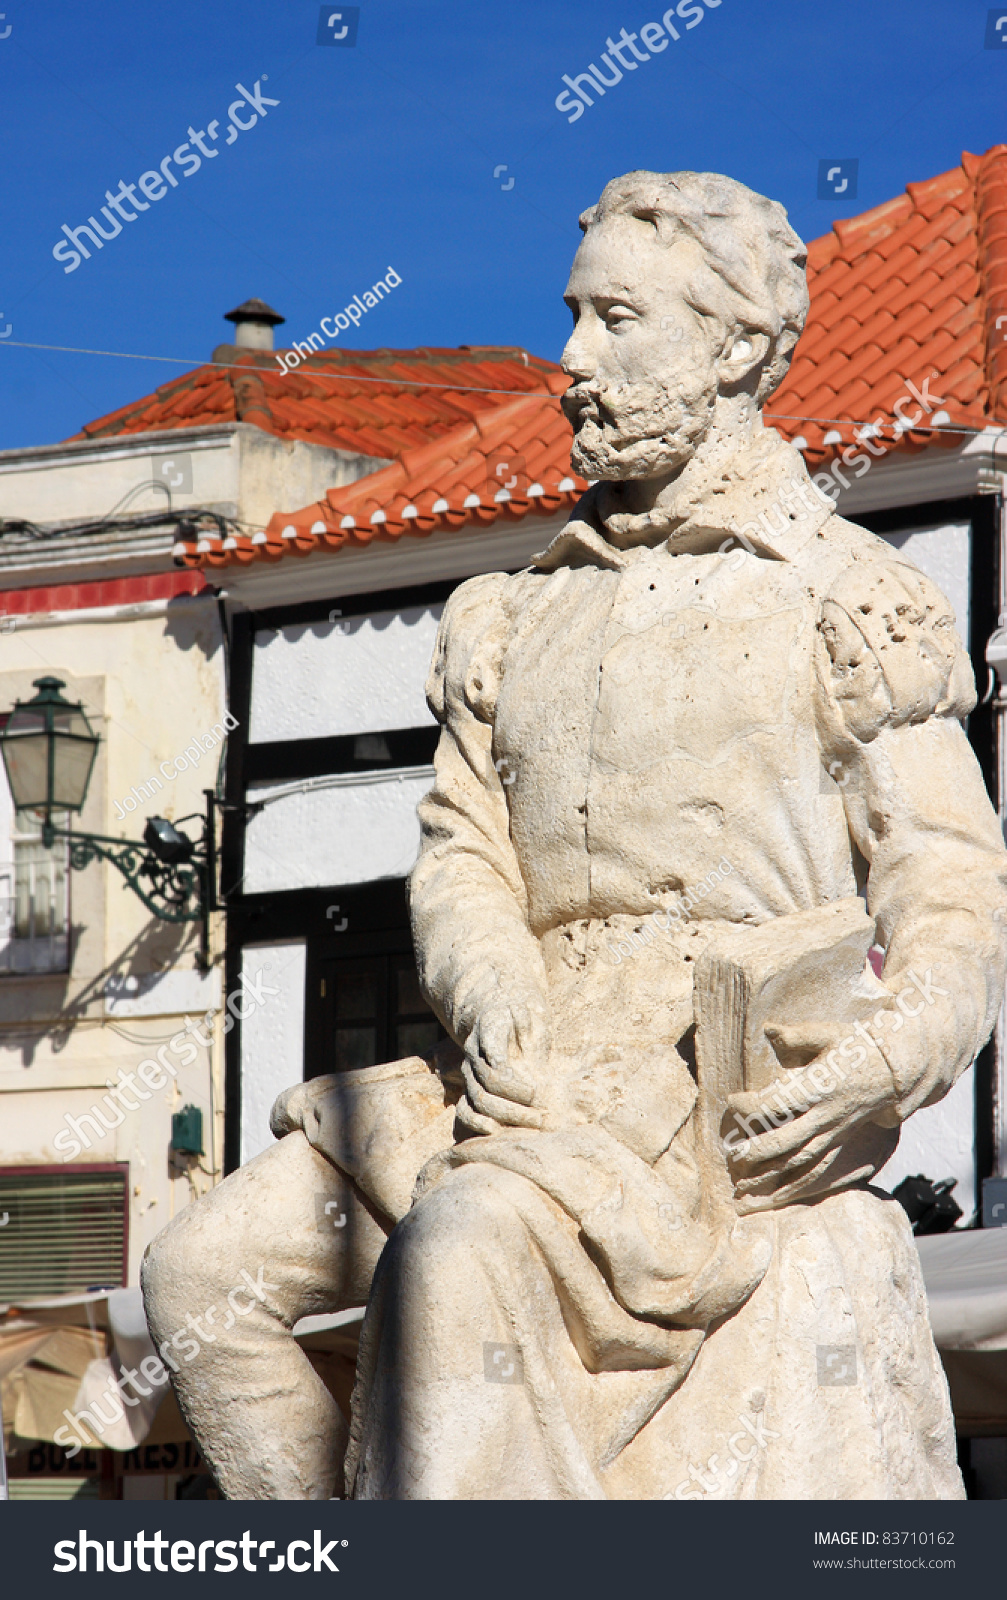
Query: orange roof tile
{"x": 906, "y": 292}
{"x": 368, "y": 402}
{"x": 511, "y": 460}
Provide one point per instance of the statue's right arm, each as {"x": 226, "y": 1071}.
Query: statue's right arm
{"x": 479, "y": 964}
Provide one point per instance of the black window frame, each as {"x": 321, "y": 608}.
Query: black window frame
{"x": 376, "y": 914}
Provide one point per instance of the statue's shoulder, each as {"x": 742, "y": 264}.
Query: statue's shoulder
{"x": 839, "y": 545}
{"x": 477, "y": 599}
{"x": 890, "y": 652}
{"x": 470, "y": 641}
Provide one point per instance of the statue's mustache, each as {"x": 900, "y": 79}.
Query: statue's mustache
{"x": 580, "y": 405}
{"x": 584, "y": 405}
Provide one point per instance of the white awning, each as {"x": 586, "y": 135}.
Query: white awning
{"x": 966, "y": 1278}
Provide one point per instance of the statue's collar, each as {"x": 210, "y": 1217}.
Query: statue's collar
{"x": 742, "y": 504}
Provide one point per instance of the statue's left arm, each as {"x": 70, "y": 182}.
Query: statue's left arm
{"x": 892, "y": 685}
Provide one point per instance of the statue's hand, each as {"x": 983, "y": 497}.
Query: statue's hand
{"x": 774, "y": 1168}
{"x": 506, "y": 1054}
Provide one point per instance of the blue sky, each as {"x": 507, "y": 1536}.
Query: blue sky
{"x": 384, "y": 154}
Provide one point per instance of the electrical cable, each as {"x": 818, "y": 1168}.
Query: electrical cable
{"x": 257, "y": 367}
{"x": 139, "y": 1039}
{"x": 455, "y": 388}
{"x": 146, "y": 519}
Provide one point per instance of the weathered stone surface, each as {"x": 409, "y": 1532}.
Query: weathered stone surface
{"x": 633, "y": 1251}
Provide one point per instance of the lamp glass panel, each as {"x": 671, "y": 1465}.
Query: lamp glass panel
{"x": 26, "y": 758}
{"x": 70, "y": 719}
{"x": 73, "y": 759}
{"x": 25, "y": 719}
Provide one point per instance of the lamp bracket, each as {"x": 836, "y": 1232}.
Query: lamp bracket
{"x": 174, "y": 892}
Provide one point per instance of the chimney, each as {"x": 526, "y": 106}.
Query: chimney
{"x": 253, "y": 325}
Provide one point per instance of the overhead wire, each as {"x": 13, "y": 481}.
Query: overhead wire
{"x": 392, "y": 381}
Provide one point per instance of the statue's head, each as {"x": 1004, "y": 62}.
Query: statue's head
{"x": 687, "y": 287}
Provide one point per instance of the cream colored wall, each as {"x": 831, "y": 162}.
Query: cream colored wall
{"x": 234, "y": 467}
{"x": 149, "y": 684}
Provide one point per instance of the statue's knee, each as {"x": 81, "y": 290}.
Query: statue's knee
{"x": 161, "y": 1286}
{"x": 462, "y": 1214}
{"x": 177, "y": 1268}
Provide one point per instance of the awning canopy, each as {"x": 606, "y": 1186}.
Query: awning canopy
{"x": 966, "y": 1277}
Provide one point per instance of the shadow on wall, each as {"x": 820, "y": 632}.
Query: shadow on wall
{"x": 192, "y": 622}
{"x": 158, "y": 946}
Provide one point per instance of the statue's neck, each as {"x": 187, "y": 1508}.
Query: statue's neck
{"x": 647, "y": 510}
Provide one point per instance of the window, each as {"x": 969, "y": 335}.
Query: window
{"x": 65, "y": 1230}
{"x": 374, "y": 1012}
{"x": 34, "y": 900}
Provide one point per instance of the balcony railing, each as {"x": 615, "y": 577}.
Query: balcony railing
{"x": 34, "y": 909}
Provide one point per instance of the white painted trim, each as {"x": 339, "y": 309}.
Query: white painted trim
{"x": 120, "y": 447}
{"x": 935, "y": 474}
{"x": 124, "y": 613}
{"x": 332, "y": 780}
{"x": 410, "y": 560}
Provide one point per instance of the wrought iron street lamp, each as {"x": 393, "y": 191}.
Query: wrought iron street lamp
{"x": 49, "y": 749}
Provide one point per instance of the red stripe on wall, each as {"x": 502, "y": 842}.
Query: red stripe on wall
{"x": 85, "y": 596}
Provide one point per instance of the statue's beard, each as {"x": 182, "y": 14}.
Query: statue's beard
{"x": 637, "y": 430}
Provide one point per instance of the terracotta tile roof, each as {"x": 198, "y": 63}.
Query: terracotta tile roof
{"x": 460, "y": 451}
{"x": 368, "y": 402}
{"x": 907, "y": 292}
{"x": 511, "y": 460}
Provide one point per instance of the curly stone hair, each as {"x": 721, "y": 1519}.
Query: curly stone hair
{"x": 749, "y": 245}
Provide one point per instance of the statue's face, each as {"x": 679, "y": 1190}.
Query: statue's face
{"x": 642, "y": 360}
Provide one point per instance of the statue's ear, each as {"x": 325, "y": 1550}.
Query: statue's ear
{"x": 744, "y": 351}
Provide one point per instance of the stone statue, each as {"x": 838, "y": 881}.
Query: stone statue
{"x": 618, "y": 1239}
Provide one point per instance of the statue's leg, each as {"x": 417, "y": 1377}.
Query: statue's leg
{"x": 469, "y": 1386}
{"x": 286, "y": 1236}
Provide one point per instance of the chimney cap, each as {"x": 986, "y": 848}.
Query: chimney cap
{"x": 254, "y": 311}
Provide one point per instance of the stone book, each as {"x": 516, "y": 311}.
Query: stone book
{"x": 769, "y": 998}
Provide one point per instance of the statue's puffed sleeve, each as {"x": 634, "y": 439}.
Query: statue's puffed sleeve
{"x": 467, "y": 896}
{"x": 893, "y": 683}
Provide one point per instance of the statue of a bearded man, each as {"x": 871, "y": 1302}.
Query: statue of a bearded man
{"x": 618, "y": 1240}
